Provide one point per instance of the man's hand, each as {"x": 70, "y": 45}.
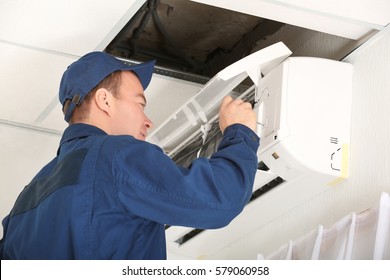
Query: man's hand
{"x": 236, "y": 111}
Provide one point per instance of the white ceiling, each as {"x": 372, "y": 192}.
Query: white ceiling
{"x": 40, "y": 38}
{"x": 70, "y": 27}
{"x": 346, "y": 18}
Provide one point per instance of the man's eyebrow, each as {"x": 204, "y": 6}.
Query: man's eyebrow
{"x": 143, "y": 97}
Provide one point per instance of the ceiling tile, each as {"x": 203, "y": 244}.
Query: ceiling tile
{"x": 67, "y": 26}
{"x": 30, "y": 81}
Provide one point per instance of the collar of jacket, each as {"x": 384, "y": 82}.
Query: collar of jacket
{"x": 79, "y": 130}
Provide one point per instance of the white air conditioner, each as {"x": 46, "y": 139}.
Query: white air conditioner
{"x": 304, "y": 109}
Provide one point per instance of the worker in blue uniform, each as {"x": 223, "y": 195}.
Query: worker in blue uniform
{"x": 108, "y": 193}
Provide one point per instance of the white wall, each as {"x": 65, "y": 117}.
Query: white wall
{"x": 369, "y": 159}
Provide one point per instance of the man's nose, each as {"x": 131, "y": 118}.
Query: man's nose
{"x": 148, "y": 123}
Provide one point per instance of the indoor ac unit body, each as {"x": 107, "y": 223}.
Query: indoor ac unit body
{"x": 304, "y": 110}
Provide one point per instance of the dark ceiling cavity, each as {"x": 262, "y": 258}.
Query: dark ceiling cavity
{"x": 190, "y": 37}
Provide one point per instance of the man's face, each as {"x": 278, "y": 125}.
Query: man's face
{"x": 129, "y": 117}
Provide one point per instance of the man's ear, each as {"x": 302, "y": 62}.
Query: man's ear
{"x": 103, "y": 99}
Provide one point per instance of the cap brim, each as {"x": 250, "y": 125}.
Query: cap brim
{"x": 144, "y": 71}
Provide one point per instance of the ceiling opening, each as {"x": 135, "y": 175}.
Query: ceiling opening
{"x": 200, "y": 39}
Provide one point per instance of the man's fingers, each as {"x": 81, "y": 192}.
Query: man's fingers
{"x": 246, "y": 105}
{"x": 226, "y": 101}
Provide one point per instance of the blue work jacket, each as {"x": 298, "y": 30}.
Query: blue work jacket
{"x": 109, "y": 197}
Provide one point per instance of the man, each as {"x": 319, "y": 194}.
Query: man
{"x": 108, "y": 193}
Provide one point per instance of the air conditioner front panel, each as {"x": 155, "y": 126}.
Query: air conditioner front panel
{"x": 312, "y": 127}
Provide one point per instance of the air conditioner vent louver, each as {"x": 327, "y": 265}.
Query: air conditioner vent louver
{"x": 188, "y": 236}
{"x": 266, "y": 188}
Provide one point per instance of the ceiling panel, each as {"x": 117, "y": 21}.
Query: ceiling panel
{"x": 344, "y": 18}
{"x": 30, "y": 80}
{"x": 67, "y": 26}
{"x": 374, "y": 12}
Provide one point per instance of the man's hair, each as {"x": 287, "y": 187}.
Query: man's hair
{"x": 112, "y": 83}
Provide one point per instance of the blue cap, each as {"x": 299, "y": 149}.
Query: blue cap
{"x": 84, "y": 74}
